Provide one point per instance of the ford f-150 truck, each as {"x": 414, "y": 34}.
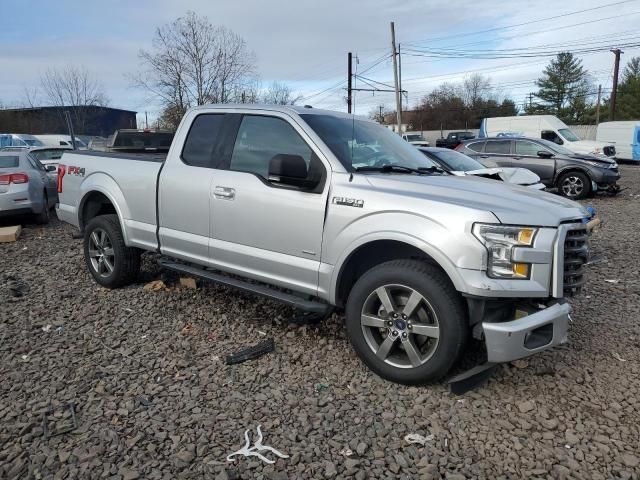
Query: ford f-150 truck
{"x": 325, "y": 210}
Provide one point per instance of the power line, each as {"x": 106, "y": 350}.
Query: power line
{"x": 530, "y": 22}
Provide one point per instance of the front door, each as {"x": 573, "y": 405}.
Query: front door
{"x": 261, "y": 230}
{"x": 526, "y": 156}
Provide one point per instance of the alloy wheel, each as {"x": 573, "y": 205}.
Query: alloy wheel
{"x": 572, "y": 186}
{"x": 101, "y": 252}
{"x": 400, "y": 326}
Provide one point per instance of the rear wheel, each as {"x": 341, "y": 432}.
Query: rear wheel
{"x": 574, "y": 185}
{"x": 43, "y": 217}
{"x": 406, "y": 321}
{"x": 111, "y": 263}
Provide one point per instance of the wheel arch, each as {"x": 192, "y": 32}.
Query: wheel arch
{"x": 367, "y": 254}
{"x": 98, "y": 202}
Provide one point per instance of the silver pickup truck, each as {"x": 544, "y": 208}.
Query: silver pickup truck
{"x": 323, "y": 210}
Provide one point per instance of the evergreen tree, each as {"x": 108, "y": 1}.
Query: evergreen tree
{"x": 564, "y": 88}
{"x": 628, "y": 99}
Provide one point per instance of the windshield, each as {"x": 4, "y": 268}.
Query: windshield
{"x": 361, "y": 144}
{"x": 556, "y": 148}
{"x": 32, "y": 142}
{"x": 414, "y": 138}
{"x": 456, "y": 161}
{"x": 568, "y": 135}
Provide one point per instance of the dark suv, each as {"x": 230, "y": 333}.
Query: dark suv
{"x": 574, "y": 175}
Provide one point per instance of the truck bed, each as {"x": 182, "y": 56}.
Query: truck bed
{"x": 128, "y": 180}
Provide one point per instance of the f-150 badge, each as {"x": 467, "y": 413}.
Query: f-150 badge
{"x": 349, "y": 202}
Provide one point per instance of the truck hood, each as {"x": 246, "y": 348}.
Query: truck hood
{"x": 511, "y": 204}
{"x": 587, "y": 146}
{"x": 517, "y": 176}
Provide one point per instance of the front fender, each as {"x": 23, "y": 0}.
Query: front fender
{"x": 450, "y": 249}
{"x": 106, "y": 185}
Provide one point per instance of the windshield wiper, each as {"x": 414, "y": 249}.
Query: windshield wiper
{"x": 399, "y": 168}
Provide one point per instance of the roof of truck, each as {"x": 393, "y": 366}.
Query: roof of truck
{"x": 300, "y": 110}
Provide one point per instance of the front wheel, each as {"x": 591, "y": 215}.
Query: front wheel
{"x": 111, "y": 263}
{"x": 574, "y": 185}
{"x": 406, "y": 322}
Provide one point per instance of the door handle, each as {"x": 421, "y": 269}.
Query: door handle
{"x": 224, "y": 193}
{"x": 484, "y": 156}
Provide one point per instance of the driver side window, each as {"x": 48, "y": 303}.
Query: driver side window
{"x": 261, "y": 138}
{"x": 551, "y": 136}
{"x": 529, "y": 149}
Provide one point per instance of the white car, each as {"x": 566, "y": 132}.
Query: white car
{"x": 457, "y": 163}
{"x": 415, "y": 139}
{"x": 61, "y": 141}
{"x": 547, "y": 127}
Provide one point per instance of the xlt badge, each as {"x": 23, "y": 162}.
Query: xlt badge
{"x": 349, "y": 202}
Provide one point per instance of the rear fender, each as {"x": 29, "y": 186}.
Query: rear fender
{"x": 106, "y": 185}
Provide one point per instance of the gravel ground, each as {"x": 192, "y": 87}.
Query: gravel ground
{"x": 154, "y": 399}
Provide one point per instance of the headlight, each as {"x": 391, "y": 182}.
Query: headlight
{"x": 500, "y": 241}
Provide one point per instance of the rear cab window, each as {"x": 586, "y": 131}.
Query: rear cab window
{"x": 202, "y": 138}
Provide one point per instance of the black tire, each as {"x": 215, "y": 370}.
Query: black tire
{"x": 43, "y": 217}
{"x": 574, "y": 185}
{"x": 438, "y": 297}
{"x": 125, "y": 261}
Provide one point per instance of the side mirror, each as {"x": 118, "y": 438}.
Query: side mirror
{"x": 545, "y": 154}
{"x": 290, "y": 170}
{"x": 50, "y": 168}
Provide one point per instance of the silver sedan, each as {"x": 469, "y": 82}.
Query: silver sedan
{"x": 25, "y": 185}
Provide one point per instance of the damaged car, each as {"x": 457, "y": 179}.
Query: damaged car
{"x": 459, "y": 164}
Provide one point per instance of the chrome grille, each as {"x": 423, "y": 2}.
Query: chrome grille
{"x": 576, "y": 255}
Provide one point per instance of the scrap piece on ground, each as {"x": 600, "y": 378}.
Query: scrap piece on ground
{"x": 250, "y": 353}
{"x": 10, "y": 234}
{"x": 188, "y": 282}
{"x": 471, "y": 378}
{"x": 154, "y": 286}
{"x": 254, "y": 451}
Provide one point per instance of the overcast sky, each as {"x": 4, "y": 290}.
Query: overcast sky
{"x": 305, "y": 43}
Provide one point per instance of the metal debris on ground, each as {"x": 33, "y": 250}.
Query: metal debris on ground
{"x": 346, "y": 452}
{"x": 617, "y": 356}
{"x": 251, "y": 353}
{"x": 415, "y": 438}
{"x": 255, "y": 450}
{"x": 612, "y": 280}
{"x": 50, "y": 412}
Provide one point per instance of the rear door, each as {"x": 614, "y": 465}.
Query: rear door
{"x": 525, "y": 155}
{"x": 497, "y": 153}
{"x": 185, "y": 184}
{"x": 261, "y": 230}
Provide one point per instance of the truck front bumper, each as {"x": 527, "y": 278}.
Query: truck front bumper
{"x": 533, "y": 333}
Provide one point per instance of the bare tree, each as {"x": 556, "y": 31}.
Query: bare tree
{"x": 475, "y": 87}
{"x": 193, "y": 62}
{"x": 72, "y": 87}
{"x": 279, "y": 93}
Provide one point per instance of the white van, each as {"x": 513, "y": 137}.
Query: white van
{"x": 625, "y": 136}
{"x": 61, "y": 141}
{"x": 547, "y": 127}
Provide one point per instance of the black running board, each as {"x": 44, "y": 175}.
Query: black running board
{"x": 262, "y": 290}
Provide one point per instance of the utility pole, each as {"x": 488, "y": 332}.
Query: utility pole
{"x": 400, "y": 74}
{"x": 349, "y": 77}
{"x": 598, "y": 105}
{"x": 146, "y": 120}
{"x": 616, "y": 67}
{"x": 530, "y": 100}
{"x": 381, "y": 117}
{"x": 395, "y": 78}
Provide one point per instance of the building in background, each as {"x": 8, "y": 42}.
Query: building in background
{"x": 87, "y": 120}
